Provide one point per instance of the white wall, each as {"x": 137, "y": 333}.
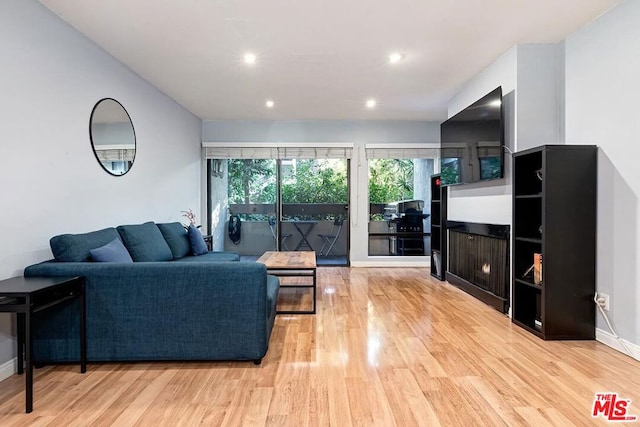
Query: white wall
{"x": 602, "y": 98}
{"x": 357, "y": 132}
{"x": 539, "y": 108}
{"x": 50, "y": 79}
{"x": 320, "y": 131}
{"x": 488, "y": 202}
{"x": 531, "y": 79}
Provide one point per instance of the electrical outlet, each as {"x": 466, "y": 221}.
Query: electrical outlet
{"x": 603, "y": 301}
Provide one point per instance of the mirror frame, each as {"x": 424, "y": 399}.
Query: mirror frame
{"x": 93, "y": 145}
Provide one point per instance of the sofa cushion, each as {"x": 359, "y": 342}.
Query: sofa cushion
{"x": 145, "y": 242}
{"x": 212, "y": 257}
{"x": 77, "y": 247}
{"x": 198, "y": 245}
{"x": 177, "y": 239}
{"x": 113, "y": 251}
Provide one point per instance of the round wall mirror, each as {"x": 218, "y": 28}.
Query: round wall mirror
{"x": 112, "y": 136}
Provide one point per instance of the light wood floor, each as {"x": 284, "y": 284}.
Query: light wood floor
{"x": 387, "y": 347}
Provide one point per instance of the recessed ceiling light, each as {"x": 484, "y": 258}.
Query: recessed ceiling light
{"x": 250, "y": 58}
{"x": 371, "y": 103}
{"x": 395, "y": 57}
{"x": 269, "y": 103}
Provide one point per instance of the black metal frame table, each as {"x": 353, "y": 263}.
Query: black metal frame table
{"x": 28, "y": 295}
{"x": 303, "y": 233}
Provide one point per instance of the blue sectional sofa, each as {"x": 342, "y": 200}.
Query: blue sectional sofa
{"x": 164, "y": 305}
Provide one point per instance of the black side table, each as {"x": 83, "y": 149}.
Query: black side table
{"x": 27, "y": 295}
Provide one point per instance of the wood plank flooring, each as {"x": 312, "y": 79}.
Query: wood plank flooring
{"x": 388, "y": 347}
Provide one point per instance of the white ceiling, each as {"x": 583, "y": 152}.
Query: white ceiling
{"x": 322, "y": 59}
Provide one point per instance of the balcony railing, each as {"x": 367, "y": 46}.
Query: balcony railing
{"x": 255, "y": 218}
{"x": 290, "y": 210}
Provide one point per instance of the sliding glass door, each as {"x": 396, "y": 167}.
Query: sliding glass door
{"x": 399, "y": 200}
{"x": 296, "y": 200}
{"x": 242, "y": 205}
{"x": 314, "y": 208}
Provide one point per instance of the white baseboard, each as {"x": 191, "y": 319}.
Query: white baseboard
{"x": 608, "y": 339}
{"x": 390, "y": 263}
{"x": 9, "y": 368}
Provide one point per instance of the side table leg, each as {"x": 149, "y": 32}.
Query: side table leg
{"x": 29, "y": 366}
{"x": 83, "y": 330}
{"x": 20, "y": 318}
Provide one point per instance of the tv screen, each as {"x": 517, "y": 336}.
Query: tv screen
{"x": 472, "y": 142}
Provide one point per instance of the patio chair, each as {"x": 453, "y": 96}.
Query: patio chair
{"x": 329, "y": 239}
{"x": 283, "y": 236}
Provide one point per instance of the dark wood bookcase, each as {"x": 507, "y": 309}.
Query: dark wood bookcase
{"x": 438, "y": 228}
{"x": 554, "y": 215}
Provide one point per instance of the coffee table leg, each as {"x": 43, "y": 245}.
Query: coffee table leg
{"x": 314, "y": 291}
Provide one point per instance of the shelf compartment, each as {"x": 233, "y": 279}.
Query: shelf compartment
{"x": 436, "y": 264}
{"x": 523, "y": 258}
{"x": 528, "y": 221}
{"x": 436, "y": 240}
{"x": 435, "y": 214}
{"x": 435, "y": 188}
{"x": 526, "y": 180}
{"x": 527, "y": 306}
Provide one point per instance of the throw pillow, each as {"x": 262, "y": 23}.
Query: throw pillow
{"x": 177, "y": 239}
{"x": 198, "y": 245}
{"x": 113, "y": 251}
{"x": 145, "y": 242}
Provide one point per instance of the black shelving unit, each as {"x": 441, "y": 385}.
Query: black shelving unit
{"x": 554, "y": 215}
{"x": 438, "y": 228}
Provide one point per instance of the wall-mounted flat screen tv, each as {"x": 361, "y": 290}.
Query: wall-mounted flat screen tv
{"x": 472, "y": 142}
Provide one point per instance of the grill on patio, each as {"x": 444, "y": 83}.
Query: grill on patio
{"x": 406, "y": 218}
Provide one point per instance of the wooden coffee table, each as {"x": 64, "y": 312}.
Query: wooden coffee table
{"x": 292, "y": 264}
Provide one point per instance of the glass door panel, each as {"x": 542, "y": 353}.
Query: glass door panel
{"x": 243, "y": 189}
{"x": 394, "y": 183}
{"x": 312, "y": 214}
{"x": 314, "y": 195}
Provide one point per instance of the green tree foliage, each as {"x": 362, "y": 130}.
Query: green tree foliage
{"x": 450, "y": 173}
{"x": 313, "y": 181}
{"x": 390, "y": 180}
{"x": 490, "y": 167}
{"x": 252, "y": 181}
{"x": 316, "y": 181}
